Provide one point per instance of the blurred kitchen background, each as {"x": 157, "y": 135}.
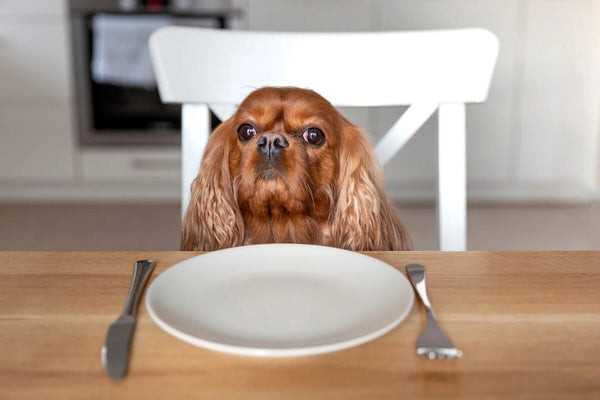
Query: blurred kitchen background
{"x": 89, "y": 158}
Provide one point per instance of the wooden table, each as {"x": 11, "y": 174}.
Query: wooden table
{"x": 528, "y": 323}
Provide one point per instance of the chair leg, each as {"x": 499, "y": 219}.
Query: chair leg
{"x": 195, "y": 127}
{"x": 452, "y": 187}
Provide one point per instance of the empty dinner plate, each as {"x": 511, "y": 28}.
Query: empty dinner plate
{"x": 279, "y": 299}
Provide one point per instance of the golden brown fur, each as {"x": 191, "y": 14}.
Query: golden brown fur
{"x": 328, "y": 193}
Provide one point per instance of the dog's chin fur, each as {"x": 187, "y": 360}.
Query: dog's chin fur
{"x": 328, "y": 194}
{"x": 268, "y": 174}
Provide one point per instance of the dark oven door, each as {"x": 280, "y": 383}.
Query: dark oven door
{"x": 121, "y": 110}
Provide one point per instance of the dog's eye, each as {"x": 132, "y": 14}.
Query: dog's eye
{"x": 246, "y": 132}
{"x": 314, "y": 136}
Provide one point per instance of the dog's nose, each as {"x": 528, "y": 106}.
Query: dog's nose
{"x": 271, "y": 144}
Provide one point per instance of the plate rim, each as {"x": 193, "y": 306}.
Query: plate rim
{"x": 278, "y": 352}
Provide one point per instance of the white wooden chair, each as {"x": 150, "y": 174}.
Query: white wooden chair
{"x": 215, "y": 69}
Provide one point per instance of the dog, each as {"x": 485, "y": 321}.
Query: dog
{"x": 287, "y": 167}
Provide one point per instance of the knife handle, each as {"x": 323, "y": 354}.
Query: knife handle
{"x": 141, "y": 272}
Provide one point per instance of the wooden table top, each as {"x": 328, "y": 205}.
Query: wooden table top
{"x": 527, "y": 322}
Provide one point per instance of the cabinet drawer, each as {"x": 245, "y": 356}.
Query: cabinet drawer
{"x": 123, "y": 165}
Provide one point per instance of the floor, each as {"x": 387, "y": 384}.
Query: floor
{"x": 156, "y": 227}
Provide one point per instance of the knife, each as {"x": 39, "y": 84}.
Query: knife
{"x": 115, "y": 352}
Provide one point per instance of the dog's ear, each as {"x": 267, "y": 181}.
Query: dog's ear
{"x": 363, "y": 218}
{"x": 212, "y": 220}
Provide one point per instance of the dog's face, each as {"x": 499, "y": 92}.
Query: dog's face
{"x": 286, "y": 157}
{"x": 288, "y": 167}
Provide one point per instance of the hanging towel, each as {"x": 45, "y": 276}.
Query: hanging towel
{"x": 120, "y": 49}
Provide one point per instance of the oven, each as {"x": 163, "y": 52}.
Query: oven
{"x": 117, "y": 101}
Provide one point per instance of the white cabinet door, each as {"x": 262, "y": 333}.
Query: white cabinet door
{"x": 32, "y": 7}
{"x": 560, "y": 107}
{"x": 36, "y": 128}
{"x": 36, "y": 144}
{"x": 34, "y": 59}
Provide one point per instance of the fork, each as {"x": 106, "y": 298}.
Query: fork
{"x": 433, "y": 343}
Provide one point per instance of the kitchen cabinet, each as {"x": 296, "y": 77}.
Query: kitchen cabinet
{"x": 36, "y": 121}
{"x": 558, "y": 122}
{"x": 32, "y": 8}
{"x": 34, "y": 59}
{"x": 141, "y": 165}
{"x": 36, "y": 144}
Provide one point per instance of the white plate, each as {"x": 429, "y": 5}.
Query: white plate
{"x": 279, "y": 299}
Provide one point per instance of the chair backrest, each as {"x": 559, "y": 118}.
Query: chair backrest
{"x": 195, "y": 65}
{"x": 217, "y": 69}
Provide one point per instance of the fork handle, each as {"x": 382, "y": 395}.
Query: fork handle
{"x": 416, "y": 274}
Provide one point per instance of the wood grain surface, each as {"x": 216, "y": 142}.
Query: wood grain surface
{"x": 527, "y": 322}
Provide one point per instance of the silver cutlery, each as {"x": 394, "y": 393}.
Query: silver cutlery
{"x": 115, "y": 352}
{"x": 433, "y": 343}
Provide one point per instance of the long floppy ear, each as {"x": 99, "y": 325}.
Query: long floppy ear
{"x": 363, "y": 218}
{"x": 212, "y": 220}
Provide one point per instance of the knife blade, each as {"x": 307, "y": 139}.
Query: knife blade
{"x": 115, "y": 352}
